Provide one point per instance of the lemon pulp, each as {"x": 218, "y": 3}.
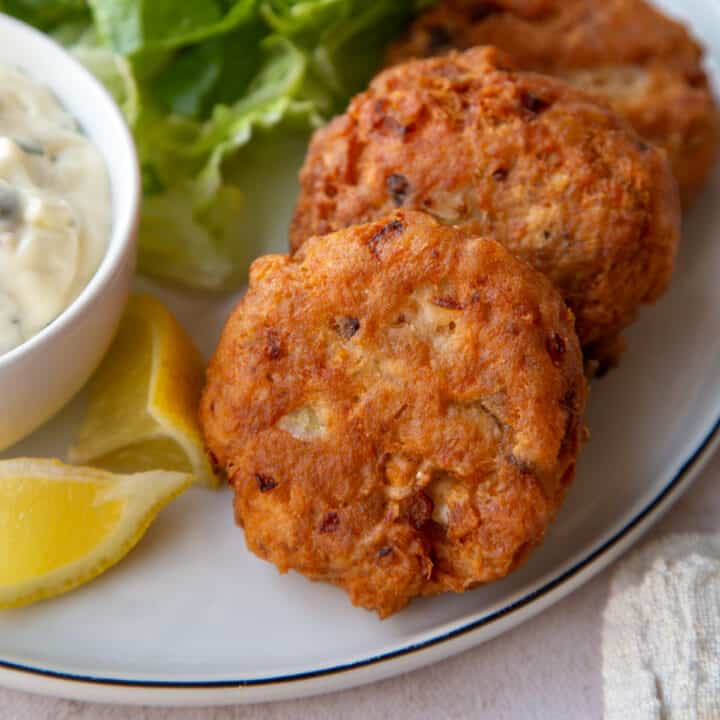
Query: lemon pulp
{"x": 144, "y": 399}
{"x": 61, "y": 526}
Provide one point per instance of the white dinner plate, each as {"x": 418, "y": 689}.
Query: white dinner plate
{"x": 192, "y": 618}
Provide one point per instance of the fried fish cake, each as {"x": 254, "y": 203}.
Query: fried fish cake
{"x": 647, "y": 66}
{"x": 541, "y": 167}
{"x": 399, "y": 408}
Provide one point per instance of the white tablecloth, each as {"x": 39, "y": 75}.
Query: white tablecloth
{"x": 550, "y": 667}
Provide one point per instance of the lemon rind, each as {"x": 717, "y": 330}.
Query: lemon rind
{"x": 192, "y": 447}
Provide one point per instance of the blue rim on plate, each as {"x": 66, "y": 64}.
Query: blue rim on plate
{"x": 687, "y": 467}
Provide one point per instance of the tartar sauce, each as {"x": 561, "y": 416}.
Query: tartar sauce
{"x": 55, "y": 208}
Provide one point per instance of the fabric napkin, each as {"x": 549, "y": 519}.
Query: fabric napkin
{"x": 661, "y": 632}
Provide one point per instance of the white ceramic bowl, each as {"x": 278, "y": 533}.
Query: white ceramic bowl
{"x": 40, "y": 376}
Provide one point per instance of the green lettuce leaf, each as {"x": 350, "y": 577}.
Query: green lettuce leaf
{"x": 130, "y": 26}
{"x": 198, "y": 80}
{"x": 115, "y": 73}
{"x": 47, "y": 14}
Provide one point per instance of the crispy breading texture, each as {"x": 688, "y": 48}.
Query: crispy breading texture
{"x": 399, "y": 409}
{"x": 541, "y": 167}
{"x": 647, "y": 66}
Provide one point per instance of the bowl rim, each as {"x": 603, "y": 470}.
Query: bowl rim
{"x": 125, "y": 217}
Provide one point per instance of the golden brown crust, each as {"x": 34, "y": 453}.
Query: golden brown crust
{"x": 646, "y": 65}
{"x": 399, "y": 409}
{"x": 539, "y": 166}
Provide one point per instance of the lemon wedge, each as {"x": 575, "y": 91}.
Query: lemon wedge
{"x": 143, "y": 407}
{"x": 61, "y": 526}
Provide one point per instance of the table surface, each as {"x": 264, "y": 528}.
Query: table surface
{"x": 550, "y": 667}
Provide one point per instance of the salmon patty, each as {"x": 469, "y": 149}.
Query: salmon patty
{"x": 543, "y": 168}
{"x": 647, "y": 66}
{"x": 399, "y": 409}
